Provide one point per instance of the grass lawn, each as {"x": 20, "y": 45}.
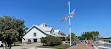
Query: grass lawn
{"x": 63, "y": 46}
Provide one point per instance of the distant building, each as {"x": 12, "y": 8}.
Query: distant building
{"x": 36, "y": 32}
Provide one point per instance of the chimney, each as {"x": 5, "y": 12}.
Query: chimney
{"x": 43, "y": 25}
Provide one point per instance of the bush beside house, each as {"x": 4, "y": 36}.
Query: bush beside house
{"x": 51, "y": 40}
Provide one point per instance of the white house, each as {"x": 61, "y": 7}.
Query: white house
{"x": 36, "y": 32}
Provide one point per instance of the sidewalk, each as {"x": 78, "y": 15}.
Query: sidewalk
{"x": 81, "y": 46}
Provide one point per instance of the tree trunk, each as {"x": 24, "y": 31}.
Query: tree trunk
{"x": 14, "y": 43}
{"x": 9, "y": 46}
{"x": 5, "y": 45}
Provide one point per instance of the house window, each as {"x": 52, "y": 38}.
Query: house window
{"x": 34, "y": 34}
{"x": 35, "y": 40}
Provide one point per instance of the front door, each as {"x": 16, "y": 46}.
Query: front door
{"x": 35, "y": 40}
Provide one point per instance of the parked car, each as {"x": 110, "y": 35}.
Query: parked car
{"x": 1, "y": 44}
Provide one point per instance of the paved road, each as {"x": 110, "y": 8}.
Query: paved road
{"x": 80, "y": 46}
{"x": 26, "y": 46}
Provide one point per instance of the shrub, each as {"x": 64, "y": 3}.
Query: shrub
{"x": 51, "y": 40}
{"x": 29, "y": 42}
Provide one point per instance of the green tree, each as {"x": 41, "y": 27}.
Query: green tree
{"x": 95, "y": 33}
{"x": 89, "y": 35}
{"x": 11, "y": 29}
{"x": 73, "y": 37}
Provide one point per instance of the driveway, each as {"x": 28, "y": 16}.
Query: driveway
{"x": 26, "y": 46}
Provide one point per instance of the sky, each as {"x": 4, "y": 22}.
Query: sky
{"x": 90, "y": 15}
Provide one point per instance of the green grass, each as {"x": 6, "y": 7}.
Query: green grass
{"x": 18, "y": 42}
{"x": 63, "y": 46}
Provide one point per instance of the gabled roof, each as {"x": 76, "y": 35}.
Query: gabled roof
{"x": 42, "y": 29}
{"x": 45, "y": 30}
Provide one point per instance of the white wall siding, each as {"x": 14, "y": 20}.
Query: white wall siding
{"x": 30, "y": 34}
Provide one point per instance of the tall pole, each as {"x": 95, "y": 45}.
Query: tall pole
{"x": 69, "y": 24}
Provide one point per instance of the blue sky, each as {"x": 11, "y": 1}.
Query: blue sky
{"x": 90, "y": 15}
